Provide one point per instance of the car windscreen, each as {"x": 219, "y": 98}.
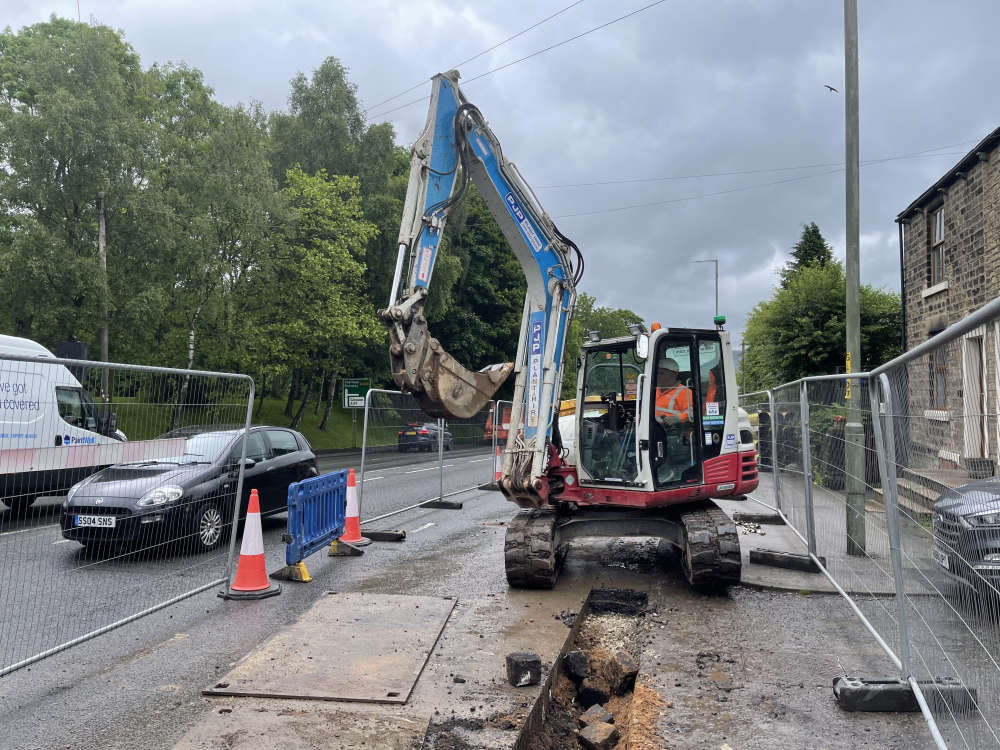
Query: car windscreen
{"x": 203, "y": 448}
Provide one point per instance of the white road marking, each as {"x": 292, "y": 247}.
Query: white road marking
{"x": 421, "y": 528}
{"x": 372, "y": 479}
{"x": 417, "y": 471}
{"x": 480, "y": 460}
{"x": 34, "y": 528}
{"x": 62, "y": 541}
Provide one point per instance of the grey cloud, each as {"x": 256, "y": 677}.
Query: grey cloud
{"x": 683, "y": 88}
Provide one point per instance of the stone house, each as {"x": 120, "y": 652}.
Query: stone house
{"x": 950, "y": 266}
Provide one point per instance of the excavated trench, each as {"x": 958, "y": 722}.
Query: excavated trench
{"x": 591, "y": 698}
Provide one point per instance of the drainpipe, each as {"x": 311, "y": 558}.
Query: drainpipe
{"x": 902, "y": 288}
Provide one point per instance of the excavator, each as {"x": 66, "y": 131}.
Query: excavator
{"x": 656, "y": 430}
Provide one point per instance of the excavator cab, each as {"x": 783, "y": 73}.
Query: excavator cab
{"x": 659, "y": 423}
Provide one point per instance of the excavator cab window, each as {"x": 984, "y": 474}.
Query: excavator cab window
{"x": 675, "y": 450}
{"x": 607, "y": 428}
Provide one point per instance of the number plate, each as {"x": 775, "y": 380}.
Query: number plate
{"x": 102, "y": 522}
{"x": 411, "y": 432}
{"x": 940, "y": 558}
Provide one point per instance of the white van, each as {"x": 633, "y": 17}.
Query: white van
{"x": 51, "y": 432}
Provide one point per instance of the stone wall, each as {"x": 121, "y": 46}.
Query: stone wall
{"x": 971, "y": 204}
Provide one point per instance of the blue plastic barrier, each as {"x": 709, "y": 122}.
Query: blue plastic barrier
{"x": 316, "y": 511}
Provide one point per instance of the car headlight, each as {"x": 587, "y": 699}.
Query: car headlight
{"x": 73, "y": 490}
{"x": 992, "y": 518}
{"x": 160, "y": 496}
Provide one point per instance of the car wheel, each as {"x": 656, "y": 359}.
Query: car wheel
{"x": 208, "y": 528}
{"x": 447, "y": 446}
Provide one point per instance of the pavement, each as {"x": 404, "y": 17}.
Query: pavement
{"x": 749, "y": 669}
{"x": 866, "y": 575}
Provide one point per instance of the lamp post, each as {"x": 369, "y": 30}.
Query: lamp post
{"x": 716, "y": 262}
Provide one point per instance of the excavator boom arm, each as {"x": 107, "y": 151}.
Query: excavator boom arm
{"x": 456, "y": 146}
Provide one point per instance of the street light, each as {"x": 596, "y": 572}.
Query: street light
{"x": 716, "y": 262}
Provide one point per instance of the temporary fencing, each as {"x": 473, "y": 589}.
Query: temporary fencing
{"x": 82, "y": 556}
{"x": 453, "y": 455}
{"x": 316, "y": 514}
{"x": 888, "y": 476}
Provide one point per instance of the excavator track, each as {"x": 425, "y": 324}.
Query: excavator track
{"x": 531, "y": 550}
{"x": 711, "y": 554}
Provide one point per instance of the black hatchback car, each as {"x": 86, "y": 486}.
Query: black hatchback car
{"x": 188, "y": 497}
{"x": 966, "y": 526}
{"x": 422, "y": 437}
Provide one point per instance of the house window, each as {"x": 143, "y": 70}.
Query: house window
{"x": 935, "y": 259}
{"x": 939, "y": 379}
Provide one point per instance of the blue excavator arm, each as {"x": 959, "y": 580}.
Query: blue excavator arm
{"x": 457, "y": 146}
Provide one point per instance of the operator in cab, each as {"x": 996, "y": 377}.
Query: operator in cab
{"x": 673, "y": 398}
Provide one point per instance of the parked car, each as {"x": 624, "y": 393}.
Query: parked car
{"x": 422, "y": 437}
{"x": 966, "y": 529}
{"x": 187, "y": 497}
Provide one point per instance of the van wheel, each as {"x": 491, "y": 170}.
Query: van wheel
{"x": 207, "y": 528}
{"x": 19, "y": 503}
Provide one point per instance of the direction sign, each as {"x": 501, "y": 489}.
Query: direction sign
{"x": 354, "y": 392}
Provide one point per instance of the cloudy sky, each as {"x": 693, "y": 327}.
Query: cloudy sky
{"x": 708, "y": 123}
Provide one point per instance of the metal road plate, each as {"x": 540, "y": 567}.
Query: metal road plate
{"x": 348, "y": 647}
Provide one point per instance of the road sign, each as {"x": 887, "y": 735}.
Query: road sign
{"x": 354, "y": 392}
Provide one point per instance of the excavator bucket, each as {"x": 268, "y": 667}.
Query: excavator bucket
{"x": 442, "y": 386}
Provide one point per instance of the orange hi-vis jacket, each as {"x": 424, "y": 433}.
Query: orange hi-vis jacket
{"x": 675, "y": 402}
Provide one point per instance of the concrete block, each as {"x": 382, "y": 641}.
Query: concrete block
{"x": 594, "y": 715}
{"x": 593, "y": 690}
{"x": 600, "y": 736}
{"x": 576, "y": 665}
{"x": 523, "y": 668}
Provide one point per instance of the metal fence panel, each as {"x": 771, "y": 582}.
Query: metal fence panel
{"x": 849, "y": 515}
{"x": 919, "y": 555}
{"x": 946, "y": 440}
{"x": 451, "y": 455}
{"x": 136, "y": 536}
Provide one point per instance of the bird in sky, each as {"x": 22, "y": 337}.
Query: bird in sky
{"x": 832, "y": 89}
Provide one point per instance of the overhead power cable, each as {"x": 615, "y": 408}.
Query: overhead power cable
{"x": 763, "y": 170}
{"x": 741, "y": 189}
{"x": 534, "y": 54}
{"x": 485, "y": 51}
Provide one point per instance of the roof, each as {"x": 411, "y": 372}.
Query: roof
{"x": 20, "y": 346}
{"x": 986, "y": 145}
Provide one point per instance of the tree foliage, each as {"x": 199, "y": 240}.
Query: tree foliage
{"x": 801, "y": 330}
{"x": 237, "y": 239}
{"x": 812, "y": 249}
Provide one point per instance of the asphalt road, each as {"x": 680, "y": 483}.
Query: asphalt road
{"x": 52, "y": 590}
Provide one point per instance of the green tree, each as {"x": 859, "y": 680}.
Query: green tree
{"x": 308, "y": 300}
{"x": 325, "y": 129}
{"x": 800, "y": 331}
{"x": 812, "y": 249}
{"x": 74, "y": 123}
{"x": 589, "y": 316}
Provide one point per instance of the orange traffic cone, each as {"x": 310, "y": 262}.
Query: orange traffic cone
{"x": 497, "y": 466}
{"x": 352, "y": 524}
{"x": 251, "y": 572}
